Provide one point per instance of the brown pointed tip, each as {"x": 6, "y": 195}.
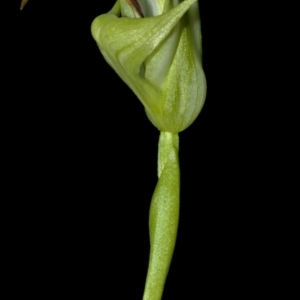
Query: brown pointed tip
{"x": 23, "y": 3}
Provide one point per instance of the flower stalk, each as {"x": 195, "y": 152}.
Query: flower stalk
{"x": 164, "y": 216}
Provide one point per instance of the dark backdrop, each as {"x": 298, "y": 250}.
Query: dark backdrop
{"x": 82, "y": 163}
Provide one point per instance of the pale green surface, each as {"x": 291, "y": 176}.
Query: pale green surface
{"x": 159, "y": 57}
{"x": 164, "y": 214}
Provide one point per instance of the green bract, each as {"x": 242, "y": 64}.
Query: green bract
{"x": 155, "y": 47}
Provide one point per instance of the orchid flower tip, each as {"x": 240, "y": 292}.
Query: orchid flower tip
{"x": 23, "y": 3}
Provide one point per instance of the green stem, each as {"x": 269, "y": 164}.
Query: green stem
{"x": 164, "y": 216}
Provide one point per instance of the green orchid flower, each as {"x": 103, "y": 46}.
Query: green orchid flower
{"x": 155, "y": 47}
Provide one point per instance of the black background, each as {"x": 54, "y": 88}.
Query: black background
{"x": 82, "y": 163}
